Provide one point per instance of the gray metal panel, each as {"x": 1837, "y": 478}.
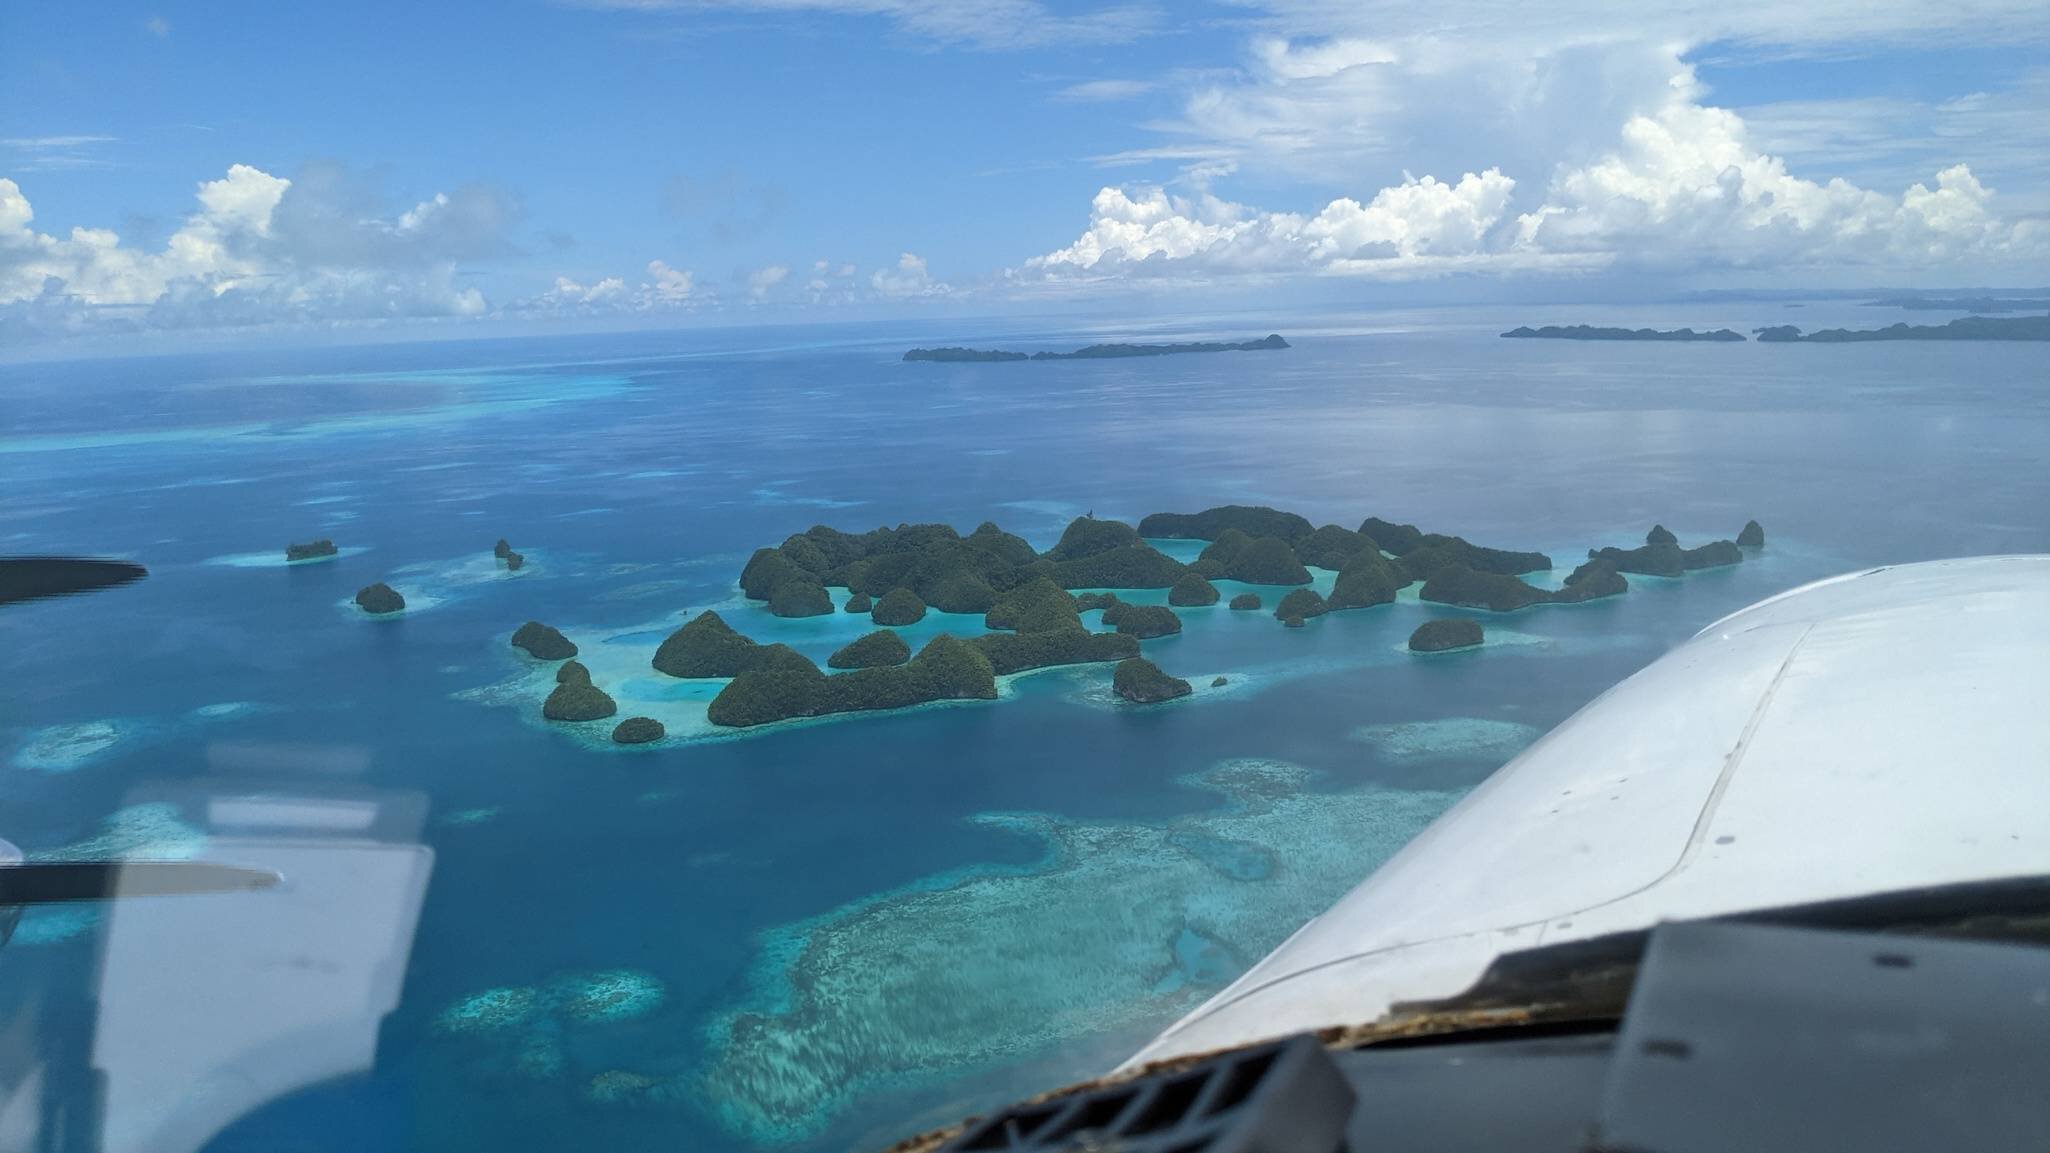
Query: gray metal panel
{"x": 1765, "y": 1039}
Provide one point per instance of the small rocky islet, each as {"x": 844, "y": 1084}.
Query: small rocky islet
{"x": 638, "y": 731}
{"x": 1446, "y": 635}
{"x": 380, "y": 600}
{"x": 543, "y": 642}
{"x": 1141, "y": 682}
{"x": 1032, "y": 603}
{"x": 311, "y": 550}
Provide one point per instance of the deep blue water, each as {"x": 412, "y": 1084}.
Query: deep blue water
{"x": 636, "y": 472}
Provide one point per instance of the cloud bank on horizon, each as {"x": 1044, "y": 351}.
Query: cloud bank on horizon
{"x": 1569, "y": 142}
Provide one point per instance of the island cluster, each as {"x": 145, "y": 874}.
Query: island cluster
{"x": 1033, "y": 604}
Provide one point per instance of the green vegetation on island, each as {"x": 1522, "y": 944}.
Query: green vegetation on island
{"x": 875, "y": 650}
{"x": 1087, "y": 536}
{"x": 1448, "y": 633}
{"x": 955, "y": 354}
{"x": 1589, "y": 581}
{"x": 800, "y": 599}
{"x": 1191, "y": 590}
{"x": 1010, "y": 653}
{"x": 1591, "y": 332}
{"x": 513, "y": 561}
{"x": 572, "y": 670}
{"x": 379, "y": 599}
{"x": 898, "y": 607}
{"x": 899, "y": 572}
{"x": 543, "y": 642}
{"x": 1252, "y": 520}
{"x": 310, "y": 550}
{"x": 1037, "y": 606}
{"x": 1331, "y": 546}
{"x": 1035, "y": 621}
{"x": 1753, "y": 535}
{"x": 1267, "y": 560}
{"x": 1394, "y": 539}
{"x": 1661, "y": 555}
{"x": 1298, "y": 606}
{"x": 1963, "y": 328}
{"x": 1043, "y": 627}
{"x": 1500, "y": 592}
{"x": 1470, "y": 588}
{"x": 1367, "y": 579}
{"x": 502, "y": 549}
{"x": 791, "y": 590}
{"x": 638, "y": 731}
{"x": 1096, "y": 351}
{"x": 782, "y": 685}
{"x": 1138, "y": 566}
{"x": 1141, "y": 682}
{"x": 778, "y": 683}
{"x": 1143, "y": 622}
{"x": 578, "y": 700}
{"x": 1423, "y": 553}
{"x": 706, "y": 647}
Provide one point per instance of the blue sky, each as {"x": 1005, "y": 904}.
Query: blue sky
{"x": 256, "y": 167}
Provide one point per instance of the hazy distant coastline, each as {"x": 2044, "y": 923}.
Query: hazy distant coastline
{"x": 953, "y": 355}
{"x": 1963, "y": 328}
{"x": 1977, "y": 304}
{"x": 1591, "y": 332}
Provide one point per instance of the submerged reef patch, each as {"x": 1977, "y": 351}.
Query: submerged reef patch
{"x": 62, "y": 748}
{"x": 522, "y": 1030}
{"x": 1122, "y": 924}
{"x": 1448, "y": 738}
{"x": 154, "y": 830}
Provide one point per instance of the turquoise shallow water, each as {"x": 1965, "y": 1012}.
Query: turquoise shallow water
{"x": 826, "y": 934}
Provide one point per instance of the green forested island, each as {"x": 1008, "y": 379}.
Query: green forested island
{"x": 1446, "y": 634}
{"x": 1963, "y": 328}
{"x": 955, "y": 355}
{"x": 1033, "y": 602}
{"x": 1591, "y": 332}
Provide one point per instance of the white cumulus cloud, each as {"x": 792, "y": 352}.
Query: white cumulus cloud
{"x": 1403, "y": 229}
{"x": 762, "y": 281}
{"x": 662, "y": 287}
{"x": 1681, "y": 189}
{"x": 907, "y": 280}
{"x": 258, "y": 249}
{"x": 1686, "y": 186}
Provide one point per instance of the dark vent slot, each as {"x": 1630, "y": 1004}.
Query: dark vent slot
{"x": 1239, "y": 1082}
{"x": 1011, "y": 1130}
{"x": 1168, "y": 1106}
{"x": 1096, "y": 1113}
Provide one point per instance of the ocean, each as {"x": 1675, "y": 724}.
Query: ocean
{"x": 498, "y": 933}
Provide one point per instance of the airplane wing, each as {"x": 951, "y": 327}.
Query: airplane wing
{"x": 1881, "y": 731}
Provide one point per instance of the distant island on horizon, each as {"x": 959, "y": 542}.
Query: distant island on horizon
{"x": 1963, "y": 328}
{"x": 1591, "y": 332}
{"x": 1961, "y": 303}
{"x": 955, "y": 355}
